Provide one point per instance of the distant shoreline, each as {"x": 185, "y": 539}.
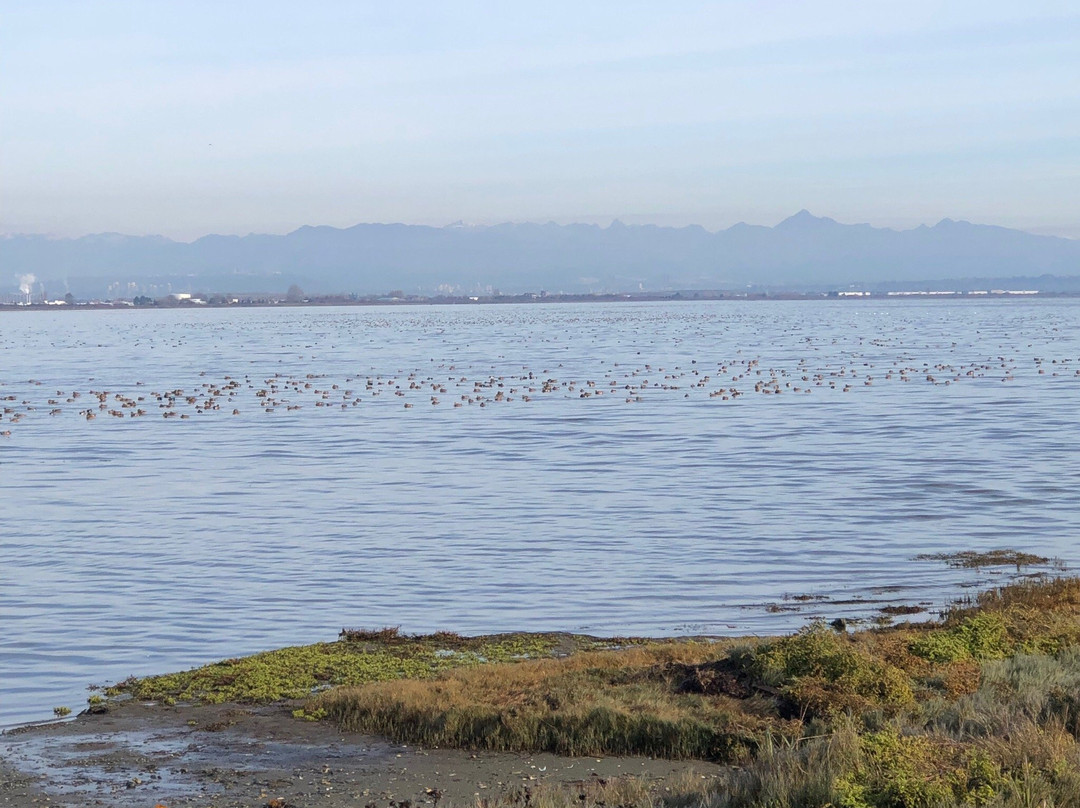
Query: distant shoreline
{"x": 267, "y": 300}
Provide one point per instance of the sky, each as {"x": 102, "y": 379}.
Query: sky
{"x": 209, "y": 117}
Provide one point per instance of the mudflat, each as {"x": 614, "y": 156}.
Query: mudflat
{"x": 228, "y": 755}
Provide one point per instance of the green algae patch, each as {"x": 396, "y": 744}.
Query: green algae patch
{"x": 358, "y": 657}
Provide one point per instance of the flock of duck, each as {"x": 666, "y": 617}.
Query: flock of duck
{"x": 450, "y": 385}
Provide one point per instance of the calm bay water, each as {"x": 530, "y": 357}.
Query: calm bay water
{"x": 645, "y": 479}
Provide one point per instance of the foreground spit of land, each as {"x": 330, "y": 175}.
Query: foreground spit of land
{"x": 979, "y": 708}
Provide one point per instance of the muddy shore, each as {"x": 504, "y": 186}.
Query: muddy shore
{"x": 231, "y": 755}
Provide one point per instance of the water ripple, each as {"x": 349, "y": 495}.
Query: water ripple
{"x": 652, "y": 505}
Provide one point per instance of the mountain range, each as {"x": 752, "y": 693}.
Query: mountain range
{"x": 801, "y": 253}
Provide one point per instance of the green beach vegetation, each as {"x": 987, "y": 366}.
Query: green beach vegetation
{"x": 979, "y": 708}
{"x": 357, "y": 658}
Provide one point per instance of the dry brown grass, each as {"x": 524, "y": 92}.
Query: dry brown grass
{"x": 1050, "y": 596}
{"x": 624, "y": 702}
{"x": 688, "y": 790}
{"x": 708, "y": 700}
{"x": 978, "y": 709}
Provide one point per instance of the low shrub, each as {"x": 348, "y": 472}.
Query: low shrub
{"x": 823, "y": 673}
{"x": 981, "y": 636}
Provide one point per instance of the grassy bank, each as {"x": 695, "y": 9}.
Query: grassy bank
{"x": 358, "y": 657}
{"x": 979, "y": 708}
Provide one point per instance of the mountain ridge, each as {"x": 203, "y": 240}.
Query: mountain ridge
{"x": 801, "y": 252}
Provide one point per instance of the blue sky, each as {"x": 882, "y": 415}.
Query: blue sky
{"x": 184, "y": 118}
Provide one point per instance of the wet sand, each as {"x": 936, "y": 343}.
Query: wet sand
{"x": 230, "y": 755}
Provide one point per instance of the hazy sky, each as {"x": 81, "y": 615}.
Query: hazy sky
{"x": 184, "y": 118}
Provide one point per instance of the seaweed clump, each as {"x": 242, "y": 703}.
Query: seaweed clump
{"x": 972, "y": 559}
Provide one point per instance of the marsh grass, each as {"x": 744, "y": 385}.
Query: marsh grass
{"x": 981, "y": 708}
{"x": 688, "y": 790}
{"x": 1023, "y": 690}
{"x": 592, "y": 703}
